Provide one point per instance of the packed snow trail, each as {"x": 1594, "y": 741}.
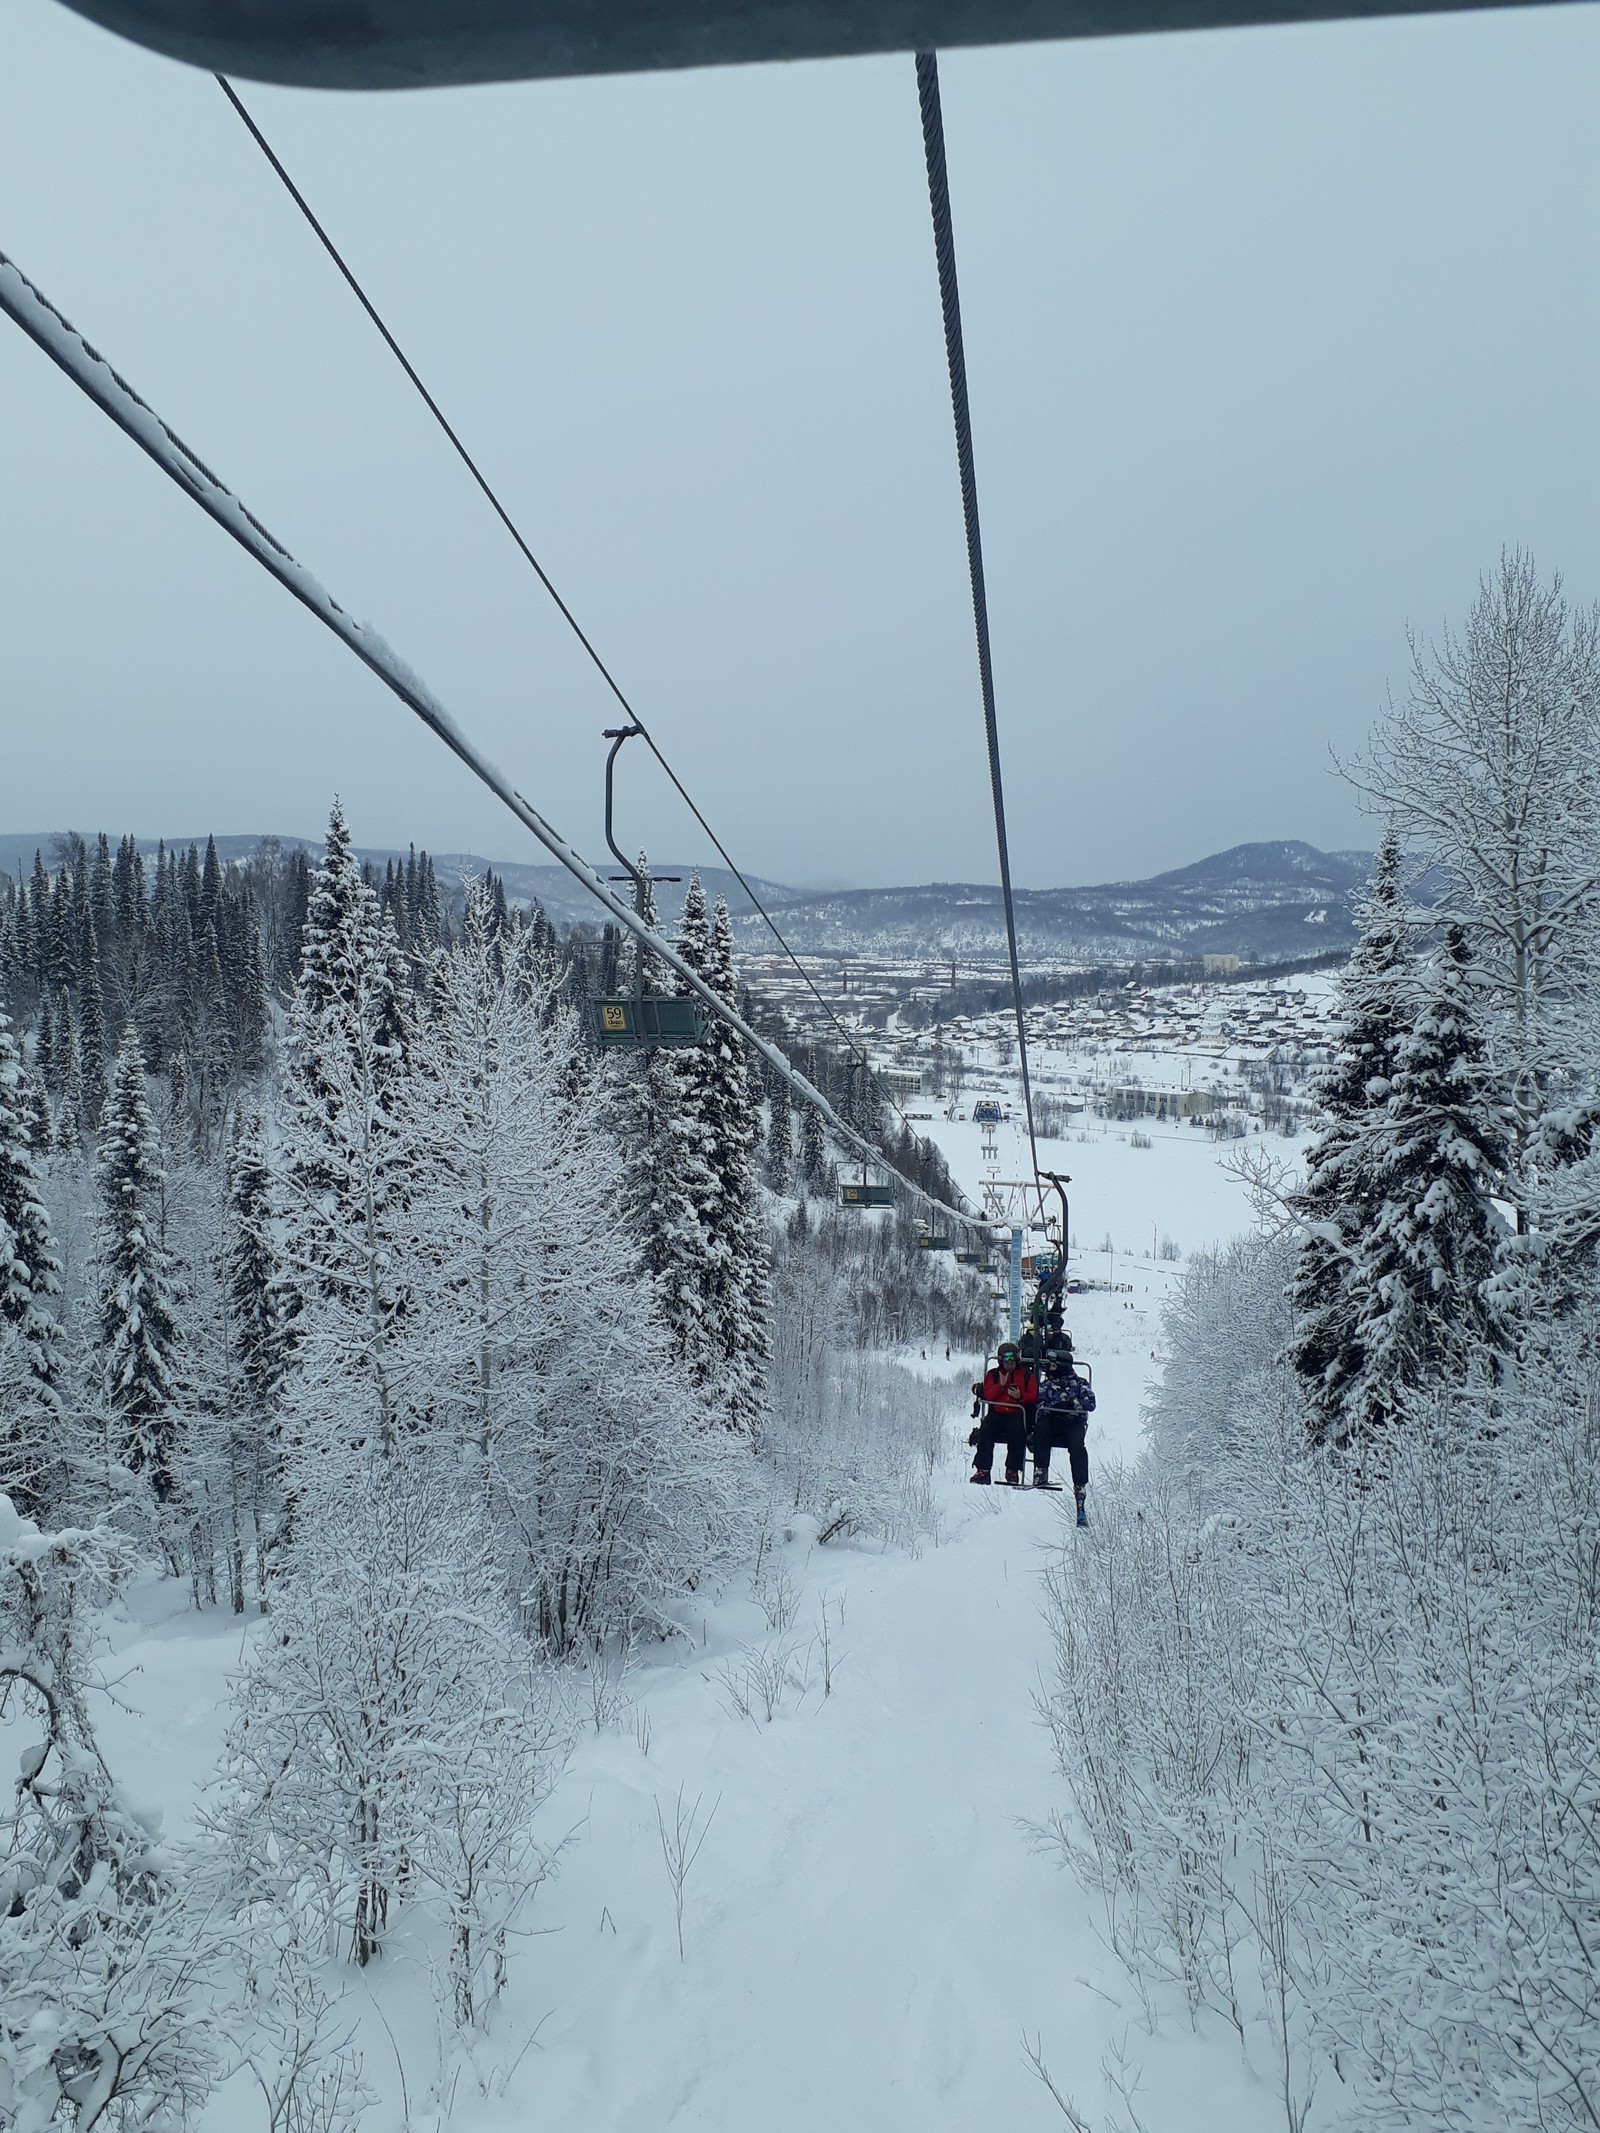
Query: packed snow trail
{"x": 869, "y": 1928}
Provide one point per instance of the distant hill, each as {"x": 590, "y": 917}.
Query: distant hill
{"x": 1263, "y": 902}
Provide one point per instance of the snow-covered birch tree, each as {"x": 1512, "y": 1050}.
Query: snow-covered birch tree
{"x": 1489, "y": 767}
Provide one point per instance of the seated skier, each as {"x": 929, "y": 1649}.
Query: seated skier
{"x": 1008, "y": 1396}
{"x": 1065, "y": 1404}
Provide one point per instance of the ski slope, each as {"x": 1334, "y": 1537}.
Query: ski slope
{"x": 870, "y": 1926}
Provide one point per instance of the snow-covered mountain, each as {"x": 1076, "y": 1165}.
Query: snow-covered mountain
{"x": 1259, "y": 901}
{"x": 1265, "y": 901}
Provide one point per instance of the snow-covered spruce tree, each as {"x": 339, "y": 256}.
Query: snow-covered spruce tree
{"x": 256, "y": 1312}
{"x": 41, "y": 1126}
{"x": 72, "y": 1118}
{"x": 1342, "y": 1196}
{"x": 780, "y": 1137}
{"x": 31, "y": 1418}
{"x": 1424, "y": 1267}
{"x": 813, "y": 1149}
{"x": 745, "y": 1302}
{"x": 644, "y": 1107}
{"x": 91, "y": 1046}
{"x": 541, "y": 1351}
{"x": 688, "y": 1250}
{"x": 106, "y": 1971}
{"x": 344, "y": 1168}
{"x": 138, "y": 1327}
{"x": 251, "y": 1018}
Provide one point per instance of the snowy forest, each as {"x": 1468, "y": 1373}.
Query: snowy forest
{"x": 345, "y": 1281}
{"x": 1327, "y": 1684}
{"x": 353, "y": 1298}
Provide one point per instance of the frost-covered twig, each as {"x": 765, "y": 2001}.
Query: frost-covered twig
{"x": 680, "y": 1848}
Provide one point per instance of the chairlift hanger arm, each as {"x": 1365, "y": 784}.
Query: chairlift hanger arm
{"x": 616, "y": 735}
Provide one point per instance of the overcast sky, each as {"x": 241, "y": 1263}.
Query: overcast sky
{"x": 1274, "y": 338}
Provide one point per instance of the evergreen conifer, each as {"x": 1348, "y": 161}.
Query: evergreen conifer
{"x": 780, "y": 1137}
{"x": 30, "y": 1281}
{"x": 91, "y": 1050}
{"x": 744, "y": 1304}
{"x": 1423, "y": 1269}
{"x": 138, "y": 1326}
{"x": 1342, "y": 1195}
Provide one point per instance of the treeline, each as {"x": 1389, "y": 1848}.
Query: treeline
{"x": 187, "y": 952}
{"x": 342, "y": 1276}
{"x": 1328, "y": 1674}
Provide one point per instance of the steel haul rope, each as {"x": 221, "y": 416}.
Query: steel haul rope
{"x": 538, "y": 568}
{"x": 944, "y": 245}
{"x": 39, "y": 319}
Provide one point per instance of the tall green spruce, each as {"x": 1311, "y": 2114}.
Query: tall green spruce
{"x": 138, "y": 1325}
{"x": 30, "y": 1281}
{"x": 780, "y": 1136}
{"x": 256, "y": 1319}
{"x": 644, "y": 1110}
{"x": 344, "y": 1168}
{"x": 745, "y": 1303}
{"x": 687, "y": 1223}
{"x": 692, "y": 1124}
{"x": 1342, "y": 1197}
{"x": 1422, "y": 1272}
{"x": 813, "y": 1149}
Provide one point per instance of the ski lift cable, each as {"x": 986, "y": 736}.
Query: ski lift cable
{"x": 944, "y": 245}
{"x": 274, "y": 160}
{"x": 44, "y": 325}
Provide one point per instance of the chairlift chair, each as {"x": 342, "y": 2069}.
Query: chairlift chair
{"x": 862, "y": 1192}
{"x": 645, "y": 1022}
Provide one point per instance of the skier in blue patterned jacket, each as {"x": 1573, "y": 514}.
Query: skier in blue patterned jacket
{"x": 1066, "y": 1402}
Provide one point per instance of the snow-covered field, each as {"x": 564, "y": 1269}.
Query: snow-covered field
{"x": 869, "y": 1928}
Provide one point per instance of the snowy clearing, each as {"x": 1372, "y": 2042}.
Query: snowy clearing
{"x": 870, "y": 1927}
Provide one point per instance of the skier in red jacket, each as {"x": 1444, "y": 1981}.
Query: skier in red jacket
{"x": 1009, "y": 1393}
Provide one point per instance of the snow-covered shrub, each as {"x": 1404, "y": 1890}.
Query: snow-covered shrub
{"x": 106, "y": 1966}
{"x": 856, "y": 1439}
{"x": 1329, "y": 1724}
{"x": 386, "y": 1732}
{"x": 1223, "y": 1341}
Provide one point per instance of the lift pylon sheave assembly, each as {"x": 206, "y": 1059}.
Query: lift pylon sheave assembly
{"x": 644, "y": 1021}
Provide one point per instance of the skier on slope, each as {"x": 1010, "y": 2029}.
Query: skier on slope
{"x": 1008, "y": 1396}
{"x": 1065, "y": 1404}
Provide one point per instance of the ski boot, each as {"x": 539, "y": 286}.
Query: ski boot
{"x": 981, "y": 1477}
{"x": 1013, "y": 1477}
{"x": 1083, "y": 1515}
